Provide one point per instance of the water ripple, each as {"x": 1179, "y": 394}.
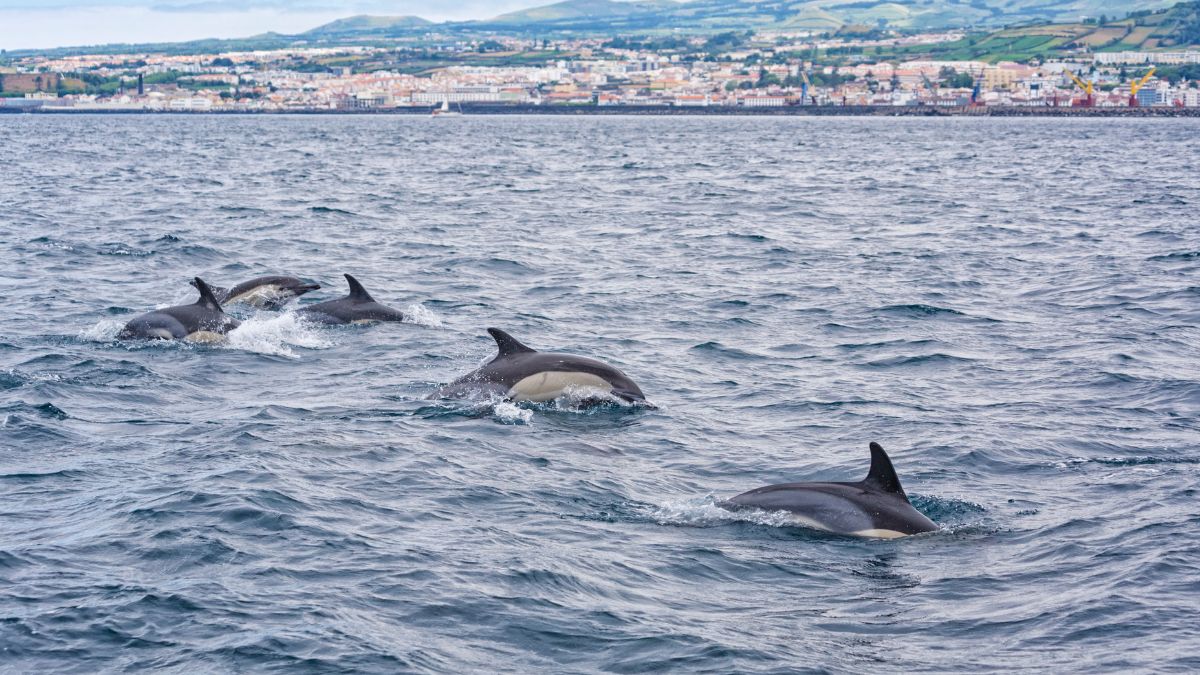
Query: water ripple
{"x": 1018, "y": 327}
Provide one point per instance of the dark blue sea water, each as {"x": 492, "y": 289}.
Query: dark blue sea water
{"x": 1012, "y": 308}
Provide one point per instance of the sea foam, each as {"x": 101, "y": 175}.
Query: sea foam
{"x": 276, "y": 334}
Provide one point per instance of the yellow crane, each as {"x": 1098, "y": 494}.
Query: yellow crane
{"x": 1135, "y": 87}
{"x": 1088, "y": 88}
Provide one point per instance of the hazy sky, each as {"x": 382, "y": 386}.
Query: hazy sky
{"x": 28, "y": 24}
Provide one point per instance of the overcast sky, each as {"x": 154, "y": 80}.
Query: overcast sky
{"x": 27, "y": 24}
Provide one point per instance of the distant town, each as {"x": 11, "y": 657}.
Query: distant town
{"x": 872, "y": 68}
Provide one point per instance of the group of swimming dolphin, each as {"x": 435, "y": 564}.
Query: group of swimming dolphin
{"x": 874, "y": 507}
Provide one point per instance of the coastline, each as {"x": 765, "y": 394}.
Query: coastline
{"x": 725, "y": 111}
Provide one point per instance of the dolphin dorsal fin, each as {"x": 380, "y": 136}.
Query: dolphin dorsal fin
{"x": 357, "y": 292}
{"x": 207, "y": 299}
{"x": 217, "y": 290}
{"x": 882, "y": 476}
{"x": 508, "y": 344}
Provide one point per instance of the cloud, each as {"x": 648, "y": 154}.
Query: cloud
{"x": 40, "y": 29}
{"x": 61, "y": 23}
{"x": 463, "y": 9}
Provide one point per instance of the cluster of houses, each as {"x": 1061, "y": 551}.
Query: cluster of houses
{"x": 274, "y": 80}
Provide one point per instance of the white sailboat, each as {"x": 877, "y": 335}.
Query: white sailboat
{"x": 445, "y": 110}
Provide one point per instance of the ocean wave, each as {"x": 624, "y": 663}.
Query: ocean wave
{"x": 720, "y": 350}
{"x": 936, "y": 359}
{"x": 1182, "y": 256}
{"x": 921, "y": 311}
{"x": 290, "y": 500}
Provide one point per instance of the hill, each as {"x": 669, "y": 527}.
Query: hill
{"x": 1043, "y": 26}
{"x": 609, "y": 16}
{"x": 368, "y": 26}
{"x": 583, "y": 10}
{"x": 1174, "y": 28}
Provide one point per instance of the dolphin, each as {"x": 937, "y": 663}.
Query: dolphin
{"x": 524, "y": 374}
{"x": 873, "y": 507}
{"x": 358, "y": 307}
{"x": 202, "y": 321}
{"x": 269, "y": 292}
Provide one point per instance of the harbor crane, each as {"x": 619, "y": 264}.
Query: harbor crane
{"x": 1088, "y": 88}
{"x": 804, "y": 89}
{"x": 1135, "y": 87}
{"x": 930, "y": 87}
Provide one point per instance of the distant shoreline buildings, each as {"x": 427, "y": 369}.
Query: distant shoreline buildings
{"x": 585, "y": 72}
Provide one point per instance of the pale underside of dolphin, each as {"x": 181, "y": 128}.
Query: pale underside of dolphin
{"x": 873, "y": 507}
{"x": 521, "y": 373}
{"x": 266, "y": 292}
{"x": 357, "y": 307}
{"x": 201, "y": 321}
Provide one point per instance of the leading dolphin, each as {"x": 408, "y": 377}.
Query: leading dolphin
{"x": 357, "y": 307}
{"x": 201, "y": 321}
{"x": 524, "y": 374}
{"x": 268, "y": 292}
{"x": 873, "y": 507}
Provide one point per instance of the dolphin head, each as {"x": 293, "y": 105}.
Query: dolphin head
{"x": 302, "y": 288}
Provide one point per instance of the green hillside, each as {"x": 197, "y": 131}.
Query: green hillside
{"x": 612, "y": 16}
{"x": 583, "y": 10}
{"x": 364, "y": 25}
{"x": 1047, "y": 26}
{"x": 1174, "y": 28}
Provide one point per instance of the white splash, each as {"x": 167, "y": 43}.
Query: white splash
{"x": 56, "y": 244}
{"x": 104, "y": 330}
{"x": 495, "y": 405}
{"x": 510, "y": 413}
{"x": 276, "y": 334}
{"x": 705, "y": 512}
{"x": 422, "y": 316}
{"x": 580, "y": 399}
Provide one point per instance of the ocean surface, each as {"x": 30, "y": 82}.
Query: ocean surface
{"x": 1011, "y": 307}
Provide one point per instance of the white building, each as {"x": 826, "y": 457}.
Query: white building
{"x": 1133, "y": 58}
{"x": 457, "y": 95}
{"x": 764, "y": 101}
{"x": 193, "y": 103}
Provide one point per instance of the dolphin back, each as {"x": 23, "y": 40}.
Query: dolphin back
{"x": 175, "y": 323}
{"x": 357, "y": 307}
{"x": 525, "y": 374}
{"x": 873, "y": 507}
{"x": 268, "y": 292}
{"x": 153, "y": 326}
